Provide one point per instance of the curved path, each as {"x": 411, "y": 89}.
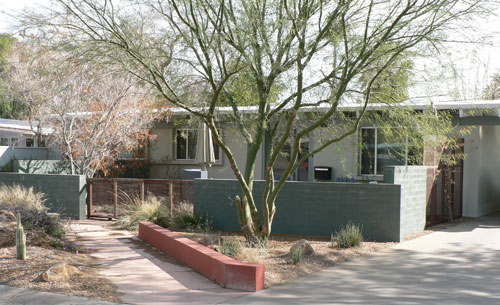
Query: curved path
{"x": 460, "y": 265}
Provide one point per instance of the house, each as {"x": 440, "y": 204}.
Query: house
{"x": 361, "y": 157}
{"x": 18, "y": 141}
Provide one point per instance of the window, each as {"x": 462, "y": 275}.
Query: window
{"x": 41, "y": 142}
{"x": 4, "y": 141}
{"x": 30, "y": 142}
{"x": 377, "y": 152}
{"x": 14, "y": 142}
{"x": 185, "y": 145}
{"x": 283, "y": 159}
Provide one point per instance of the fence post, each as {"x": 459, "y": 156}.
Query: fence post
{"x": 89, "y": 198}
{"x": 115, "y": 189}
{"x": 142, "y": 190}
{"x": 171, "y": 195}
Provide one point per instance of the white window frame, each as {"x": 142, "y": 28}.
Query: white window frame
{"x": 375, "y": 155}
{"x": 11, "y": 142}
{"x": 218, "y": 157}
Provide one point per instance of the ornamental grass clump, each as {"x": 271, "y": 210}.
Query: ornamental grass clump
{"x": 14, "y": 196}
{"x": 349, "y": 235}
{"x": 151, "y": 209}
{"x": 28, "y": 203}
{"x": 184, "y": 218}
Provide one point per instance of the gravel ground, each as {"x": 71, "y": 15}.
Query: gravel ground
{"x": 27, "y": 273}
{"x": 280, "y": 269}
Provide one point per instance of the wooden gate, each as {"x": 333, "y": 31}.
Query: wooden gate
{"x": 447, "y": 186}
{"x": 105, "y": 196}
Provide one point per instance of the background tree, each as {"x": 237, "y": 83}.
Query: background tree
{"x": 492, "y": 90}
{"x": 10, "y": 106}
{"x": 293, "y": 55}
{"x": 96, "y": 114}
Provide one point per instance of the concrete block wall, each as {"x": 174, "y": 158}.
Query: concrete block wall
{"x": 413, "y": 181}
{"x": 388, "y": 211}
{"x": 40, "y": 167}
{"x": 310, "y": 208}
{"x": 7, "y": 154}
{"x": 65, "y": 193}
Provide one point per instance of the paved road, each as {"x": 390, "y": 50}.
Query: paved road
{"x": 17, "y": 296}
{"x": 460, "y": 265}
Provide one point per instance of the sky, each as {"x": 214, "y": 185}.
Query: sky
{"x": 467, "y": 68}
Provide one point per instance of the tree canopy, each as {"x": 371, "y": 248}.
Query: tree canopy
{"x": 283, "y": 57}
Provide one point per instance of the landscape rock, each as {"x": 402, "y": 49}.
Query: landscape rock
{"x": 211, "y": 239}
{"x": 307, "y": 249}
{"x": 60, "y": 273}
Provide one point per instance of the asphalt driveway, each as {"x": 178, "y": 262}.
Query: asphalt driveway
{"x": 460, "y": 265}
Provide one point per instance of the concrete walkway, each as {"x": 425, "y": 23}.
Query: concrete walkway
{"x": 460, "y": 265}
{"x": 142, "y": 273}
{"x": 17, "y": 296}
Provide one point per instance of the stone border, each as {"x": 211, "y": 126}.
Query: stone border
{"x": 227, "y": 272}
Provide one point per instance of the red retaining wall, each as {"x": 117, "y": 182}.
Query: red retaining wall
{"x": 226, "y": 271}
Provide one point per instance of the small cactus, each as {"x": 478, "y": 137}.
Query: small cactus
{"x": 20, "y": 240}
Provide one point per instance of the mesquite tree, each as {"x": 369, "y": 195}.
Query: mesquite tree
{"x": 290, "y": 55}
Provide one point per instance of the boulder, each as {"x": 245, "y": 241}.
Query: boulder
{"x": 307, "y": 249}
{"x": 211, "y": 239}
{"x": 60, "y": 273}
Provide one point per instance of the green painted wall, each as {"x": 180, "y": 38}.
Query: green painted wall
{"x": 387, "y": 211}
{"x": 310, "y": 208}
{"x": 66, "y": 194}
{"x": 40, "y": 167}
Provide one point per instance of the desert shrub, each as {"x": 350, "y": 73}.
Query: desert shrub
{"x": 349, "y": 235}
{"x": 231, "y": 247}
{"x": 12, "y": 196}
{"x": 30, "y": 205}
{"x": 151, "y": 209}
{"x": 251, "y": 255}
{"x": 184, "y": 218}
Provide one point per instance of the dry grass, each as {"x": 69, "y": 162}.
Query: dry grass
{"x": 151, "y": 209}
{"x": 12, "y": 196}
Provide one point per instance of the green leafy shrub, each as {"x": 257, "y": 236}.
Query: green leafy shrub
{"x": 350, "y": 235}
{"x": 231, "y": 247}
{"x": 151, "y": 209}
{"x": 185, "y": 219}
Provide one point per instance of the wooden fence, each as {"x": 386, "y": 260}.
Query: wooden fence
{"x": 105, "y": 196}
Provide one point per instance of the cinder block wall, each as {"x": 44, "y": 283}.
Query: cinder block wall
{"x": 387, "y": 211}
{"x": 310, "y": 208}
{"x": 65, "y": 193}
{"x": 413, "y": 181}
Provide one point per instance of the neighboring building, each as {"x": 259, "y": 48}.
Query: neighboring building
{"x": 18, "y": 141}
{"x": 360, "y": 157}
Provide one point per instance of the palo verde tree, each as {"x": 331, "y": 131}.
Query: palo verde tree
{"x": 291, "y": 55}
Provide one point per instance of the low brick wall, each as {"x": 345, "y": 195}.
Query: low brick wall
{"x": 226, "y": 271}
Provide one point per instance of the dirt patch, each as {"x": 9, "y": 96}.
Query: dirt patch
{"x": 279, "y": 267}
{"x": 27, "y": 273}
